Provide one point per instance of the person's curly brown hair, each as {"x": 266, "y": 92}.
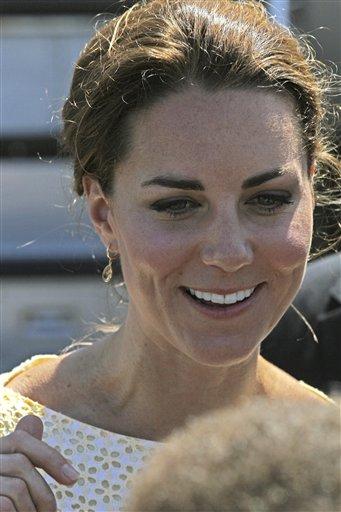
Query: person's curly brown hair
{"x": 267, "y": 456}
{"x": 157, "y": 47}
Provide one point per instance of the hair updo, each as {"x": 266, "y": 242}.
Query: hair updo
{"x": 157, "y": 47}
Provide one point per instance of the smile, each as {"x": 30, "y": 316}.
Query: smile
{"x": 216, "y": 298}
{"x": 222, "y": 306}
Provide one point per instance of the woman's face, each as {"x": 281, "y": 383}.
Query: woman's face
{"x": 215, "y": 197}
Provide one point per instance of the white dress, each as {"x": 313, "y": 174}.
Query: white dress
{"x": 105, "y": 460}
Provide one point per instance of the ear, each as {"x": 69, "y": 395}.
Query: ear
{"x": 99, "y": 210}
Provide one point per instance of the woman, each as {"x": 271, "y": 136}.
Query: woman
{"x": 195, "y": 129}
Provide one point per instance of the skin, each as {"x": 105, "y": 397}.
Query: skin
{"x": 168, "y": 362}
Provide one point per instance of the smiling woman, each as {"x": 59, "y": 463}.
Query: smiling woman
{"x": 219, "y": 220}
{"x": 196, "y": 132}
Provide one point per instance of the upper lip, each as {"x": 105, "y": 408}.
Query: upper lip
{"x": 220, "y": 291}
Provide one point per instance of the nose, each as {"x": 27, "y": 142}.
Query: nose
{"x": 227, "y": 244}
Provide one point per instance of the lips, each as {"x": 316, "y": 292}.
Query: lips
{"x": 211, "y": 303}
{"x": 222, "y": 311}
{"x": 221, "y": 291}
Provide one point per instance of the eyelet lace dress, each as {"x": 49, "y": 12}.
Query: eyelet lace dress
{"x": 105, "y": 460}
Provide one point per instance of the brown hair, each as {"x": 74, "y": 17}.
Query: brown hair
{"x": 157, "y": 47}
{"x": 269, "y": 456}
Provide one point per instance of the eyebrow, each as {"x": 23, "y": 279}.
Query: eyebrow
{"x": 187, "y": 184}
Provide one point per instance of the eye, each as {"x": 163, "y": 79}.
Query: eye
{"x": 175, "y": 207}
{"x": 270, "y": 203}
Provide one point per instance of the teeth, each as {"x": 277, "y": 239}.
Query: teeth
{"x": 249, "y": 292}
{"x": 240, "y": 295}
{"x": 231, "y": 298}
{"x": 217, "y": 298}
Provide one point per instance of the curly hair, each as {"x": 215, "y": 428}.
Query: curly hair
{"x": 269, "y": 456}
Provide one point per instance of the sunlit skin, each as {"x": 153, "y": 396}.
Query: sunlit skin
{"x": 168, "y": 361}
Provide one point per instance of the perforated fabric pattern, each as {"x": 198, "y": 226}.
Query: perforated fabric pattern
{"x": 105, "y": 460}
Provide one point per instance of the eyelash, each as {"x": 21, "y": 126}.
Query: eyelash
{"x": 165, "y": 205}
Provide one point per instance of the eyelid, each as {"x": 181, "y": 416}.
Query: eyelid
{"x": 277, "y": 192}
{"x": 170, "y": 200}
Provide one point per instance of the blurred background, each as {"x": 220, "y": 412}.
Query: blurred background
{"x": 51, "y": 258}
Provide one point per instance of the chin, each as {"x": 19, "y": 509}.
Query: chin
{"x": 220, "y": 351}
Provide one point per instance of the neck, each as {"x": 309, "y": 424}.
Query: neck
{"x": 152, "y": 388}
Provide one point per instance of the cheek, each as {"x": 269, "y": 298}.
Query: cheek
{"x": 149, "y": 247}
{"x": 289, "y": 246}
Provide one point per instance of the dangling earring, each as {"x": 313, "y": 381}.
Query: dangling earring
{"x": 108, "y": 271}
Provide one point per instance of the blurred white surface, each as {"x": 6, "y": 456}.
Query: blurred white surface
{"x": 39, "y": 218}
{"x": 38, "y": 56}
{"x": 45, "y": 314}
{"x": 51, "y": 259}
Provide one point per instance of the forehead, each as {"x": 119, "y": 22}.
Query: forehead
{"x": 196, "y": 129}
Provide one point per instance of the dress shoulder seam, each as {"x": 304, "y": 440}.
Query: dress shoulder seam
{"x": 6, "y": 377}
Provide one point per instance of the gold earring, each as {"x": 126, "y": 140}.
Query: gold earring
{"x": 108, "y": 271}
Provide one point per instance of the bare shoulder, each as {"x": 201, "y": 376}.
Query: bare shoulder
{"x": 45, "y": 382}
{"x": 64, "y": 384}
{"x": 279, "y": 384}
